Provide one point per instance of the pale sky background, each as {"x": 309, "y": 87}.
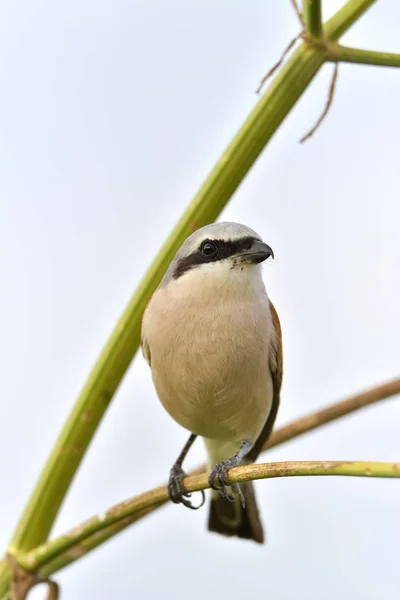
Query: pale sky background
{"x": 112, "y": 114}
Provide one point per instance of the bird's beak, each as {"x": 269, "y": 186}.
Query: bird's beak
{"x": 257, "y": 253}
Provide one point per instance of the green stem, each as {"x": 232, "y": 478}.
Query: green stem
{"x": 312, "y": 16}
{"x": 113, "y": 362}
{"x": 238, "y": 158}
{"x": 34, "y": 560}
{"x": 79, "y": 550}
{"x": 5, "y": 579}
{"x": 345, "y": 18}
{"x": 336, "y": 52}
{"x": 280, "y": 436}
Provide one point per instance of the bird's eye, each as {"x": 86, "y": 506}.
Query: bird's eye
{"x": 209, "y": 249}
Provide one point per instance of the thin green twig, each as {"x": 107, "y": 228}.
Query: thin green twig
{"x": 280, "y": 436}
{"x": 312, "y": 17}
{"x": 35, "y": 559}
{"x": 338, "y": 53}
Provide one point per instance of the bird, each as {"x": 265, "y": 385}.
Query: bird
{"x": 213, "y": 341}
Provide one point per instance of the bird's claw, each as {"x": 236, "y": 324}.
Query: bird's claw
{"x": 176, "y": 490}
{"x": 218, "y": 480}
{"x": 239, "y": 494}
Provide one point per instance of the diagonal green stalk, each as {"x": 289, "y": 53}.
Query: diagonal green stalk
{"x": 345, "y": 18}
{"x": 112, "y": 364}
{"x": 312, "y": 16}
{"x": 224, "y": 179}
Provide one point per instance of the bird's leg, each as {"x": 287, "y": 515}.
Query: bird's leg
{"x": 218, "y": 479}
{"x": 176, "y": 491}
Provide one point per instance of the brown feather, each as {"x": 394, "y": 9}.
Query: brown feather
{"x": 231, "y": 519}
{"x": 276, "y": 366}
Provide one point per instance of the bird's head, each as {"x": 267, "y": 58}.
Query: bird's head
{"x": 221, "y": 250}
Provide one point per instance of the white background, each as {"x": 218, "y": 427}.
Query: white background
{"x": 112, "y": 112}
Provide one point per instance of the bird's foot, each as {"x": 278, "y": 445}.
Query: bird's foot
{"x": 218, "y": 480}
{"x": 176, "y": 490}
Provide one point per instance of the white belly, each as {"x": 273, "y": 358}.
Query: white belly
{"x": 210, "y": 360}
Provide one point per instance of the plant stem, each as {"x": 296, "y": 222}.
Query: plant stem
{"x": 80, "y": 549}
{"x": 290, "y": 431}
{"x": 333, "y": 412}
{"x": 282, "y": 435}
{"x": 48, "y": 495}
{"x": 5, "y": 579}
{"x": 312, "y": 16}
{"x": 345, "y": 18}
{"x": 35, "y": 559}
{"x": 113, "y": 362}
{"x": 364, "y": 57}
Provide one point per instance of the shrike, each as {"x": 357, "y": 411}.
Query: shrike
{"x": 213, "y": 341}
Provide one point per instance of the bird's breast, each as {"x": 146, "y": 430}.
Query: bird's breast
{"x": 210, "y": 360}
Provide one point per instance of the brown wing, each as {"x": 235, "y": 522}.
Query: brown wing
{"x": 276, "y": 367}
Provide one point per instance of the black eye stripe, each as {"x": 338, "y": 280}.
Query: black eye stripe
{"x": 226, "y": 248}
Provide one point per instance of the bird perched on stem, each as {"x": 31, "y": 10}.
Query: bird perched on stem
{"x": 213, "y": 341}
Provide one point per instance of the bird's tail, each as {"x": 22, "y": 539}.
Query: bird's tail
{"x": 230, "y": 518}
